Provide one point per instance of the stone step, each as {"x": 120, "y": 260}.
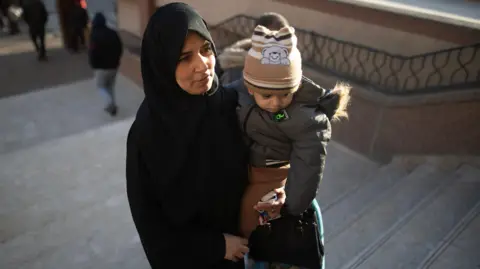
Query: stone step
{"x": 461, "y": 251}
{"x": 396, "y": 205}
{"x": 47, "y": 114}
{"x": 344, "y": 171}
{"x": 100, "y": 234}
{"x": 459, "y": 248}
{"x": 412, "y": 242}
{"x": 85, "y": 223}
{"x": 349, "y": 209}
{"x": 48, "y": 178}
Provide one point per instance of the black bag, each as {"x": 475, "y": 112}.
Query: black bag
{"x": 292, "y": 240}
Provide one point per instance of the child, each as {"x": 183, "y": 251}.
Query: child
{"x": 286, "y": 118}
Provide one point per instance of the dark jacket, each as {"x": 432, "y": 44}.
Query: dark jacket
{"x": 301, "y": 138}
{"x": 186, "y": 161}
{"x": 105, "y": 48}
{"x": 78, "y": 17}
{"x": 35, "y": 15}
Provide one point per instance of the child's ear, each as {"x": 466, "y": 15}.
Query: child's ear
{"x": 250, "y": 91}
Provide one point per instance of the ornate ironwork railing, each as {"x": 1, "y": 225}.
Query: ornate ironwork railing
{"x": 456, "y": 68}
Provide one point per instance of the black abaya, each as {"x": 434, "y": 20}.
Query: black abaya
{"x": 186, "y": 162}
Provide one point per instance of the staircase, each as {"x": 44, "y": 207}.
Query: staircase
{"x": 63, "y": 202}
{"x": 62, "y": 179}
{"x": 398, "y": 216}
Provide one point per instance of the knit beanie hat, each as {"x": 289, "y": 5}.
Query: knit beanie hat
{"x": 273, "y": 65}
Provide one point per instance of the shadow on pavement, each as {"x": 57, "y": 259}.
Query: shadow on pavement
{"x": 42, "y": 101}
{"x": 20, "y": 72}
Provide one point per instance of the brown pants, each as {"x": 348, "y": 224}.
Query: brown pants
{"x": 262, "y": 181}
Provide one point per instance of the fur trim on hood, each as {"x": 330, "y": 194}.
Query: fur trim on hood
{"x": 234, "y": 56}
{"x": 333, "y": 103}
{"x": 342, "y": 90}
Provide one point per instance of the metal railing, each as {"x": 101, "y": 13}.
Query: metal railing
{"x": 456, "y": 68}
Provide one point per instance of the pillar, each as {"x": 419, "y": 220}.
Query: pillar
{"x": 146, "y": 9}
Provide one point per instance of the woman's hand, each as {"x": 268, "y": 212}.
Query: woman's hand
{"x": 235, "y": 247}
{"x": 273, "y": 207}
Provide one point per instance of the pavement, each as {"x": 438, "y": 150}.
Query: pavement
{"x": 20, "y": 72}
{"x": 18, "y": 59}
{"x": 68, "y": 103}
{"x": 62, "y": 159}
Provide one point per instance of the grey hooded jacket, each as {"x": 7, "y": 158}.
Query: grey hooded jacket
{"x": 300, "y": 138}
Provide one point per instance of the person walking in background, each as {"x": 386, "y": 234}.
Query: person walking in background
{"x": 6, "y": 8}
{"x": 36, "y": 16}
{"x": 78, "y": 22}
{"x": 2, "y": 23}
{"x": 105, "y": 51}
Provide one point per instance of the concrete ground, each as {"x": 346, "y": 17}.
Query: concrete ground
{"x": 68, "y": 102}
{"x": 20, "y": 72}
{"x": 62, "y": 164}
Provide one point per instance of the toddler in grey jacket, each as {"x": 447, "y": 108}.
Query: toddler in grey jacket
{"x": 286, "y": 120}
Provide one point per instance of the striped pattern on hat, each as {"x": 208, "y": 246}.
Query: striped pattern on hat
{"x": 274, "y": 63}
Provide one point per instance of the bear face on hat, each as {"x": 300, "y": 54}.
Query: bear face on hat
{"x": 275, "y": 55}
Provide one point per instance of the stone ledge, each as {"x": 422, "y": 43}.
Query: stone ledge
{"x": 446, "y": 163}
{"x": 434, "y": 29}
{"x": 392, "y": 100}
{"x": 382, "y": 126}
{"x": 417, "y": 11}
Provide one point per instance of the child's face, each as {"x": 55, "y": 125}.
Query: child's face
{"x": 272, "y": 102}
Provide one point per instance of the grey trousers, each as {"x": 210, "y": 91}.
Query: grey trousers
{"x": 105, "y": 81}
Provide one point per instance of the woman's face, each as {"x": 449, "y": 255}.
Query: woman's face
{"x": 196, "y": 65}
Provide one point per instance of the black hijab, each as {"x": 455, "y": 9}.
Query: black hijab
{"x": 161, "y": 48}
{"x": 191, "y": 144}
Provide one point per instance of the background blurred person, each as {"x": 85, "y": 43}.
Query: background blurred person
{"x": 36, "y": 16}
{"x": 105, "y": 51}
{"x": 77, "y": 23}
{"x": 11, "y": 10}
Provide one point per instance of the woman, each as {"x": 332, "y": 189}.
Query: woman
{"x": 186, "y": 162}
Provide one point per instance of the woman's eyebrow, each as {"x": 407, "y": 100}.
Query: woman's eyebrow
{"x": 185, "y": 53}
{"x": 205, "y": 44}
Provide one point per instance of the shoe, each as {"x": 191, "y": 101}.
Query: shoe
{"x": 42, "y": 58}
{"x": 14, "y": 32}
{"x": 111, "y": 109}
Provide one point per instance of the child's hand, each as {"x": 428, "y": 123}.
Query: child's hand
{"x": 273, "y": 207}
